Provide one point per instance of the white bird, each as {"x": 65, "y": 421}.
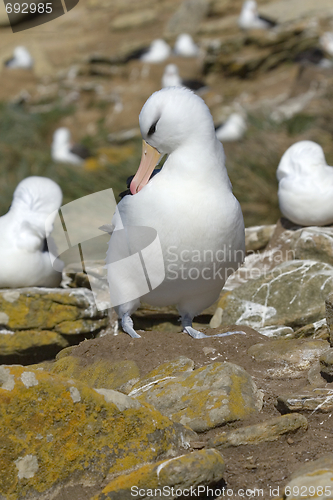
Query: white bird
{"x": 250, "y": 19}
{"x": 326, "y": 42}
{"x": 25, "y": 260}
{"x": 305, "y": 185}
{"x": 171, "y": 78}
{"x": 21, "y": 59}
{"x": 63, "y": 151}
{"x": 233, "y": 129}
{"x": 189, "y": 203}
{"x": 158, "y": 52}
{"x": 185, "y": 46}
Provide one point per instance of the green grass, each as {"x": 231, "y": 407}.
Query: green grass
{"x": 25, "y": 143}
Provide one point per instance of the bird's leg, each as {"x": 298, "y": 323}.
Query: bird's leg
{"x": 127, "y": 325}
{"x": 196, "y": 334}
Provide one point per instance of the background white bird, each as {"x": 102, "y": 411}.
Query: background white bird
{"x": 305, "y": 185}
{"x": 233, "y": 129}
{"x": 185, "y": 46}
{"x": 158, "y": 52}
{"x": 63, "y": 151}
{"x": 171, "y": 78}
{"x": 25, "y": 260}
{"x": 190, "y": 205}
{"x": 21, "y": 59}
{"x": 251, "y": 19}
{"x": 326, "y": 42}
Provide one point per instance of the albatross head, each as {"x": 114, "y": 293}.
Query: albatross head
{"x": 171, "y": 118}
{"x": 36, "y": 198}
{"x": 301, "y": 158}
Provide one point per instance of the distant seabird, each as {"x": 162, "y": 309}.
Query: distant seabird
{"x": 326, "y": 42}
{"x": 250, "y": 18}
{"x": 21, "y": 59}
{"x": 171, "y": 78}
{"x": 185, "y": 46}
{"x": 158, "y": 52}
{"x": 25, "y": 260}
{"x": 63, "y": 151}
{"x": 233, "y": 129}
{"x": 305, "y": 185}
{"x": 189, "y": 204}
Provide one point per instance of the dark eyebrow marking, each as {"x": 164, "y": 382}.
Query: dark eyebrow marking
{"x": 152, "y": 129}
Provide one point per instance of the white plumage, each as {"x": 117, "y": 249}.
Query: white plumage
{"x": 250, "y": 19}
{"x": 61, "y": 148}
{"x": 189, "y": 203}
{"x": 305, "y": 185}
{"x": 326, "y": 42}
{"x": 21, "y": 59}
{"x": 233, "y": 129}
{"x": 24, "y": 259}
{"x": 171, "y": 76}
{"x": 158, "y": 52}
{"x": 185, "y": 46}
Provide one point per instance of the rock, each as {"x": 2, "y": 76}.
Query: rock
{"x": 29, "y": 345}
{"x": 187, "y": 18}
{"x": 290, "y": 356}
{"x": 194, "y": 470}
{"x": 296, "y": 10}
{"x": 314, "y": 376}
{"x": 58, "y": 433}
{"x": 313, "y": 479}
{"x": 163, "y": 372}
{"x": 317, "y": 330}
{"x": 261, "y": 50}
{"x": 53, "y": 308}
{"x": 35, "y": 323}
{"x": 316, "y": 400}
{"x": 326, "y": 364}
{"x": 276, "y": 331}
{"x": 292, "y": 294}
{"x": 270, "y": 430}
{"x": 314, "y": 243}
{"x": 134, "y": 20}
{"x": 205, "y": 398}
{"x": 98, "y": 374}
{"x": 329, "y": 316}
{"x": 257, "y": 237}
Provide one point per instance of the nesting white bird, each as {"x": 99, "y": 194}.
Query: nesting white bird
{"x": 171, "y": 78}
{"x": 25, "y": 260}
{"x": 251, "y": 19}
{"x": 233, "y": 129}
{"x": 21, "y": 59}
{"x": 158, "y": 52}
{"x": 185, "y": 46}
{"x": 326, "y": 42}
{"x": 305, "y": 185}
{"x": 63, "y": 151}
{"x": 190, "y": 205}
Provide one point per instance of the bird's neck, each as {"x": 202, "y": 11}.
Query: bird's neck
{"x": 202, "y": 160}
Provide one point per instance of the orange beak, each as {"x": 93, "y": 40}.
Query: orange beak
{"x": 149, "y": 159}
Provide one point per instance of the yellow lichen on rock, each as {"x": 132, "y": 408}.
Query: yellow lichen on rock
{"x": 100, "y": 374}
{"x": 187, "y": 471}
{"x": 28, "y": 339}
{"x": 52, "y": 427}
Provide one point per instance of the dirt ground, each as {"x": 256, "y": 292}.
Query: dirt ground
{"x": 263, "y": 466}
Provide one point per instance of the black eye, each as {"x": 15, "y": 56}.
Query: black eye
{"x": 152, "y": 129}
